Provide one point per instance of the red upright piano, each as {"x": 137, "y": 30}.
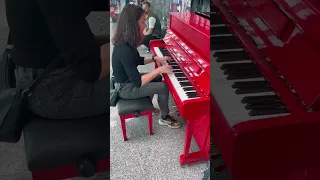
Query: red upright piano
{"x": 187, "y": 42}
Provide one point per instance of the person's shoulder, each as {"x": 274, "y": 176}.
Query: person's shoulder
{"x": 152, "y": 18}
{"x": 122, "y": 48}
{"x": 121, "y": 45}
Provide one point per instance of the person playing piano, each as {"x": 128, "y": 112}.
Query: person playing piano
{"x": 126, "y": 58}
{"x": 153, "y": 29}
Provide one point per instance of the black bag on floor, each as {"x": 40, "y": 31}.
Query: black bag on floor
{"x": 13, "y": 103}
{"x": 114, "y": 92}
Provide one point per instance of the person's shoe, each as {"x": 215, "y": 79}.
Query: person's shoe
{"x": 148, "y": 51}
{"x": 169, "y": 121}
{"x": 155, "y": 112}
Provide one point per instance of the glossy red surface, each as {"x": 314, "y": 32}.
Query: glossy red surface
{"x": 187, "y": 50}
{"x": 194, "y": 30}
{"x": 281, "y": 148}
{"x": 289, "y": 38}
{"x": 123, "y": 119}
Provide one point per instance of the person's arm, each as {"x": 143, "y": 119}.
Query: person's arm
{"x": 148, "y": 60}
{"x": 72, "y": 35}
{"x": 126, "y": 56}
{"x": 152, "y": 22}
{"x": 149, "y": 76}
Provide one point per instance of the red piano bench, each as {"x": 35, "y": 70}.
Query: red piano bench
{"x": 61, "y": 149}
{"x": 129, "y": 108}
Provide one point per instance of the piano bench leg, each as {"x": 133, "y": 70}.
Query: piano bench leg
{"x": 127, "y": 116}
{"x": 193, "y": 158}
{"x": 123, "y": 125}
{"x": 150, "y": 122}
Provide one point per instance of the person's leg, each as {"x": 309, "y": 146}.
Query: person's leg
{"x": 146, "y": 40}
{"x": 156, "y": 79}
{"x": 129, "y": 91}
{"x": 63, "y": 96}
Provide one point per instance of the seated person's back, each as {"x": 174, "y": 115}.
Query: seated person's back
{"x": 41, "y": 30}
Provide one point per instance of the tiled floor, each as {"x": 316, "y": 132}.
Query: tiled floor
{"x": 145, "y": 157}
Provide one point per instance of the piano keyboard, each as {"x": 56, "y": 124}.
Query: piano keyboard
{"x": 179, "y": 80}
{"x": 237, "y": 85}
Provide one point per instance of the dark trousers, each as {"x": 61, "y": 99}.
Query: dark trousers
{"x": 64, "y": 96}
{"x": 130, "y": 91}
{"x": 146, "y": 40}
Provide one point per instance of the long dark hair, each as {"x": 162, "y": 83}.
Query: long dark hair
{"x": 128, "y": 26}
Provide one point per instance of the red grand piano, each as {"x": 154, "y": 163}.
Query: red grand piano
{"x": 265, "y": 94}
{"x": 187, "y": 41}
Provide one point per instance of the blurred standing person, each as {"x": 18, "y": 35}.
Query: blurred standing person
{"x": 153, "y": 29}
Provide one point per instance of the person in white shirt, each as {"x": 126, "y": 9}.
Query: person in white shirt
{"x": 153, "y": 29}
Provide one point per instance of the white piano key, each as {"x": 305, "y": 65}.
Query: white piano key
{"x": 230, "y": 102}
{"x": 174, "y": 80}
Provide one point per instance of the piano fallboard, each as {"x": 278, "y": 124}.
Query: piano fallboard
{"x": 194, "y": 30}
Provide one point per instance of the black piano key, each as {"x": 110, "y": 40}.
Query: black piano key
{"x": 244, "y": 76}
{"x": 223, "y": 42}
{"x": 176, "y": 67}
{"x": 253, "y": 90}
{"x": 207, "y": 16}
{"x": 232, "y": 71}
{"x": 192, "y": 94}
{"x": 252, "y": 99}
{"x": 269, "y": 111}
{"x": 184, "y": 84}
{"x": 173, "y": 65}
{"x": 182, "y": 79}
{"x": 179, "y": 74}
{"x": 219, "y": 30}
{"x": 238, "y": 66}
{"x": 248, "y": 84}
{"x": 228, "y": 56}
{"x": 265, "y": 104}
{"x": 188, "y": 89}
{"x": 223, "y": 39}
{"x": 215, "y": 19}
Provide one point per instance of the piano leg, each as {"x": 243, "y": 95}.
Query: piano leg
{"x": 188, "y": 158}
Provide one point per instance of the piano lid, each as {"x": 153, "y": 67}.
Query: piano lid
{"x": 288, "y": 34}
{"x": 193, "y": 29}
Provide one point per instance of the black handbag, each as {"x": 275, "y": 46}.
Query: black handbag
{"x": 13, "y": 103}
{"x": 114, "y": 92}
